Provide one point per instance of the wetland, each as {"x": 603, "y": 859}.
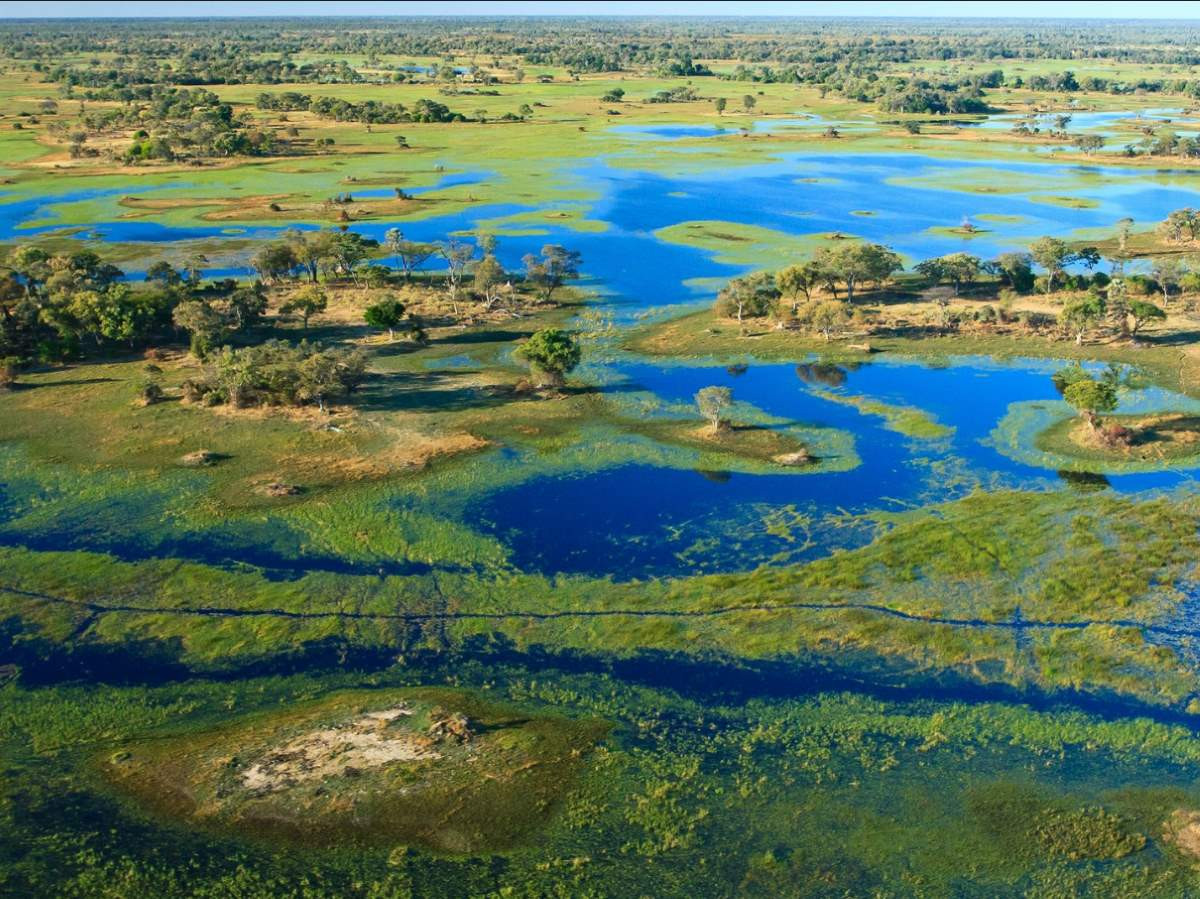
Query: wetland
{"x": 496, "y": 482}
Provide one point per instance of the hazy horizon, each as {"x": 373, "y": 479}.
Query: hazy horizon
{"x": 932, "y": 9}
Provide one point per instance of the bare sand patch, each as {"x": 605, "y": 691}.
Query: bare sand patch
{"x": 365, "y": 742}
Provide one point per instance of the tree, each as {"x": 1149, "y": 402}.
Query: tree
{"x": 1015, "y": 269}
{"x": 348, "y": 250}
{"x": 458, "y": 255}
{"x": 957, "y": 268}
{"x": 409, "y": 254}
{"x": 488, "y": 278}
{"x": 1091, "y": 397}
{"x": 392, "y": 239}
{"x": 1082, "y": 314}
{"x": 1182, "y": 225}
{"x": 719, "y": 104}
{"x": 1118, "y": 305}
{"x": 308, "y": 302}
{"x": 712, "y": 403}
{"x": 275, "y": 261}
{"x": 10, "y": 367}
{"x": 246, "y": 306}
{"x": 311, "y": 249}
{"x": 552, "y": 353}
{"x": 1055, "y": 255}
{"x": 204, "y": 325}
{"x": 1089, "y": 143}
{"x": 748, "y": 102}
{"x": 328, "y": 373}
{"x": 799, "y": 279}
{"x": 855, "y": 263}
{"x": 555, "y": 267}
{"x": 193, "y": 266}
{"x": 1167, "y": 271}
{"x": 1143, "y": 312}
{"x": 825, "y": 316}
{"x": 752, "y": 295}
{"x": 386, "y": 315}
{"x": 163, "y": 273}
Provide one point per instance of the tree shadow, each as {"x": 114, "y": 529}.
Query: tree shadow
{"x": 69, "y": 382}
{"x": 432, "y": 391}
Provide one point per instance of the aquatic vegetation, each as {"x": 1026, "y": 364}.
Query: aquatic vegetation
{"x": 907, "y": 420}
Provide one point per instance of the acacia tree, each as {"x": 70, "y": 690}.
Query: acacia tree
{"x": 1143, "y": 312}
{"x": 202, "y": 322}
{"x": 1090, "y": 398}
{"x": 1168, "y": 272}
{"x": 712, "y": 403}
{"x": 1083, "y": 314}
{"x": 194, "y": 267}
{"x": 307, "y": 303}
{"x": 826, "y": 316}
{"x": 488, "y": 277}
{"x": 552, "y": 354}
{"x": 311, "y": 249}
{"x": 458, "y": 255}
{"x": 799, "y": 279}
{"x": 411, "y": 255}
{"x": 274, "y": 261}
{"x": 347, "y": 251}
{"x": 1182, "y": 225}
{"x": 1055, "y": 255}
{"x": 1015, "y": 270}
{"x": 754, "y": 295}
{"x": 555, "y": 267}
{"x": 958, "y": 268}
{"x": 386, "y": 315}
{"x": 856, "y": 263}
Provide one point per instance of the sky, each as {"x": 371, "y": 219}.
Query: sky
{"x": 1085, "y": 9}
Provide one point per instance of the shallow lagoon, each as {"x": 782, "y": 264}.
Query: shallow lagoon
{"x": 643, "y": 521}
{"x": 801, "y": 194}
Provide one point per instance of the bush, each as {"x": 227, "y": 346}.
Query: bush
{"x": 150, "y": 393}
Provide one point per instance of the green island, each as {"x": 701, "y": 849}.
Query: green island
{"x": 522, "y": 456}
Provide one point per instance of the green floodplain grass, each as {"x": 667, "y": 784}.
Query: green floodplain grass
{"x": 861, "y": 788}
{"x": 1103, "y": 563}
{"x": 566, "y": 107}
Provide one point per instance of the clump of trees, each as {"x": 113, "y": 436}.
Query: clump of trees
{"x": 278, "y": 373}
{"x": 372, "y": 112}
{"x": 54, "y": 307}
{"x": 790, "y": 294}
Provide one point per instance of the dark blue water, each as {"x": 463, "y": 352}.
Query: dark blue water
{"x": 643, "y": 521}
